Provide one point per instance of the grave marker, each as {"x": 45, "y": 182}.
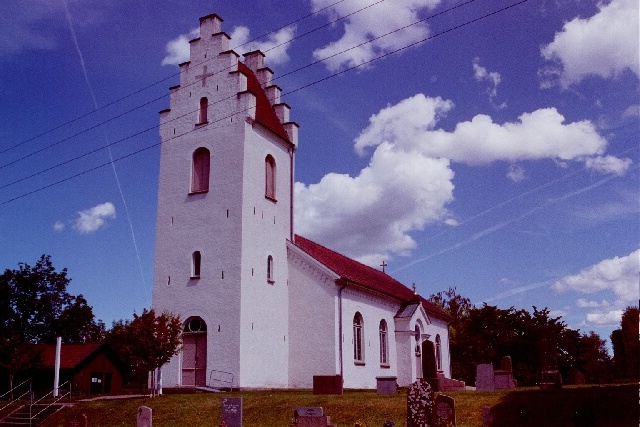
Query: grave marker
{"x": 446, "y": 409}
{"x": 145, "y": 417}
{"x": 76, "y": 420}
{"x": 419, "y": 404}
{"x": 231, "y": 411}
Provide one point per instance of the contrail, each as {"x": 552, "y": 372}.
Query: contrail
{"x": 113, "y": 166}
{"x": 503, "y": 224}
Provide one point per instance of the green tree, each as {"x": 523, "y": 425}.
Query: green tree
{"x": 148, "y": 341}
{"x": 35, "y": 308}
{"x": 626, "y": 345}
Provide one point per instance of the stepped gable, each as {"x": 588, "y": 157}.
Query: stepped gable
{"x": 365, "y": 276}
{"x": 265, "y": 114}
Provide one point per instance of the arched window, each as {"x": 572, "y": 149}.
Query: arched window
{"x": 200, "y": 171}
{"x": 270, "y": 269}
{"x": 270, "y": 177}
{"x": 358, "y": 338}
{"x": 438, "y": 353}
{"x": 202, "y": 113}
{"x": 195, "y": 264}
{"x": 384, "y": 343}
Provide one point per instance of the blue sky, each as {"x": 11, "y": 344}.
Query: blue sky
{"x": 495, "y": 155}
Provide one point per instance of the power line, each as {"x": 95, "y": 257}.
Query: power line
{"x": 286, "y": 93}
{"x": 229, "y": 68}
{"x": 160, "y": 81}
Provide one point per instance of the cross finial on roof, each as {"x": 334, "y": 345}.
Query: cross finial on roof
{"x": 414, "y": 289}
{"x": 383, "y": 265}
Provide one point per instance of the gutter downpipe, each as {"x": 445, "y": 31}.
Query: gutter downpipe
{"x": 291, "y": 184}
{"x": 342, "y": 286}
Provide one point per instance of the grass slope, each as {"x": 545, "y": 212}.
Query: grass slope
{"x": 585, "y": 406}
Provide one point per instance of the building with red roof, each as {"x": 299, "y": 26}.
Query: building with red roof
{"x": 91, "y": 369}
{"x": 262, "y": 306}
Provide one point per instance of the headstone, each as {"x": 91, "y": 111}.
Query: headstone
{"x": 446, "y": 409}
{"x": 506, "y": 364}
{"x": 144, "y": 417}
{"x": 386, "y": 385}
{"x": 549, "y": 376}
{"x": 487, "y": 418}
{"x": 419, "y": 404}
{"x": 485, "y": 377}
{"x": 76, "y": 420}
{"x": 310, "y": 416}
{"x": 231, "y": 411}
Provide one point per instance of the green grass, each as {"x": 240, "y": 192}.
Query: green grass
{"x": 522, "y": 407}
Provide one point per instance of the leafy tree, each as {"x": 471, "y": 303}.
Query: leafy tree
{"x": 35, "y": 307}
{"x": 626, "y": 345}
{"x": 148, "y": 341}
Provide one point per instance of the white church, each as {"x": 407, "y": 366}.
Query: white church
{"x": 263, "y": 307}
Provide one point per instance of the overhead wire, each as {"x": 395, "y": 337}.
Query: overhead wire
{"x": 170, "y": 76}
{"x": 213, "y": 103}
{"x": 485, "y": 16}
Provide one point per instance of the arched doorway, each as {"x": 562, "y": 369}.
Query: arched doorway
{"x": 194, "y": 352}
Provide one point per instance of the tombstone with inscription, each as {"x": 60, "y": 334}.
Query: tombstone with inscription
{"x": 231, "y": 411}
{"x": 419, "y": 404}
{"x": 485, "y": 380}
{"x": 144, "y": 417}
{"x": 446, "y": 409}
{"x": 310, "y": 416}
{"x": 76, "y": 420}
{"x": 549, "y": 376}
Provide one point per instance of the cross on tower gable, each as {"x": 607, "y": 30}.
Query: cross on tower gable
{"x": 204, "y": 75}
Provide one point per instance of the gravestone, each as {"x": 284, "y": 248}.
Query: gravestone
{"x": 76, "y": 420}
{"x": 145, "y": 416}
{"x": 231, "y": 411}
{"x": 485, "y": 380}
{"x": 487, "y": 417}
{"x": 420, "y": 404}
{"x": 549, "y": 376}
{"x": 503, "y": 377}
{"x": 446, "y": 409}
{"x": 310, "y": 416}
{"x": 327, "y": 384}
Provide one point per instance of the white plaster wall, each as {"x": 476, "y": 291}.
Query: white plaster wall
{"x": 265, "y": 229}
{"x": 313, "y": 322}
{"x": 373, "y": 309}
{"x": 209, "y": 222}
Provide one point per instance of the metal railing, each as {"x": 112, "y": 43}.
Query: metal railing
{"x": 55, "y": 401}
{"x": 15, "y": 390}
{"x": 221, "y": 377}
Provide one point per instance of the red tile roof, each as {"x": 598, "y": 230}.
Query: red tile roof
{"x": 265, "y": 115}
{"x": 365, "y": 276}
{"x": 71, "y": 355}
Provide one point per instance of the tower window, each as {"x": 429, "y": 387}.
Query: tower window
{"x": 195, "y": 265}
{"x": 270, "y": 278}
{"x": 200, "y": 170}
{"x": 270, "y": 177}
{"x": 203, "y": 111}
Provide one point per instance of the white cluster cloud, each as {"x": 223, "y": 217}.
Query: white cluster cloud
{"x": 178, "y": 49}
{"x": 275, "y": 45}
{"x": 481, "y": 74}
{"x": 94, "y": 218}
{"x": 408, "y": 181}
{"x": 360, "y": 29}
{"x": 605, "y": 45}
{"x": 618, "y": 275}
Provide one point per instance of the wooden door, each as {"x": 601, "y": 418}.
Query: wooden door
{"x": 194, "y": 359}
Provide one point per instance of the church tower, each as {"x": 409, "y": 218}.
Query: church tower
{"x": 224, "y": 216}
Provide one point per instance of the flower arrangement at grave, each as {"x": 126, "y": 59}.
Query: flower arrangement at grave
{"x": 360, "y": 423}
{"x": 420, "y": 404}
{"x": 389, "y": 423}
